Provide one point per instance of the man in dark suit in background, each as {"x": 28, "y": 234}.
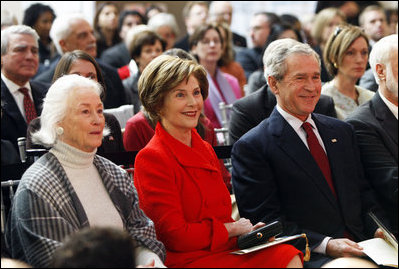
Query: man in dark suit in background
{"x": 73, "y": 32}
{"x": 21, "y": 98}
{"x": 376, "y": 127}
{"x": 251, "y": 58}
{"x": 302, "y": 168}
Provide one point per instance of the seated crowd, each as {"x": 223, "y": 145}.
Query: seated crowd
{"x": 310, "y": 114}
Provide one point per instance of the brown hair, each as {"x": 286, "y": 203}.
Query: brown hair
{"x": 162, "y": 75}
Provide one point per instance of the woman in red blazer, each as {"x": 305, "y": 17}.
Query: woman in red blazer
{"x": 178, "y": 177}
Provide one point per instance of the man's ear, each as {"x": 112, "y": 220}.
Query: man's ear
{"x": 63, "y": 43}
{"x": 272, "y": 82}
{"x": 381, "y": 71}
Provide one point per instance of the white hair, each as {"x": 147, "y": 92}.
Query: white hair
{"x": 381, "y": 53}
{"x": 56, "y": 103}
{"x": 61, "y": 28}
{"x": 163, "y": 19}
{"x": 16, "y": 29}
{"x": 278, "y": 51}
{"x": 132, "y": 32}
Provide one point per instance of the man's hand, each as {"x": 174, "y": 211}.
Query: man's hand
{"x": 343, "y": 247}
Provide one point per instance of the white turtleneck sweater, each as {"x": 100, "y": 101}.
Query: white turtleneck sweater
{"x": 91, "y": 192}
{"x": 88, "y": 185}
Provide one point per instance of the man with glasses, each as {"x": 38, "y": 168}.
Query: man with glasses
{"x": 251, "y": 58}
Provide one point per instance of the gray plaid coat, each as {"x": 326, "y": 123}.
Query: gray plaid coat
{"x": 46, "y": 209}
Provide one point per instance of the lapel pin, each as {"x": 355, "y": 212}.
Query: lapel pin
{"x": 334, "y": 140}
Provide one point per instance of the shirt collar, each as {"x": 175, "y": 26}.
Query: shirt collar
{"x": 295, "y": 123}
{"x": 12, "y": 87}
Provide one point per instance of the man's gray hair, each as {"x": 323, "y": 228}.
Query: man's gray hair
{"x": 16, "y": 29}
{"x": 55, "y": 106}
{"x": 381, "y": 53}
{"x": 61, "y": 28}
{"x": 278, "y": 51}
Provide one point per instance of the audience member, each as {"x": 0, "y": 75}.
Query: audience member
{"x": 165, "y": 25}
{"x": 345, "y": 57}
{"x": 70, "y": 187}
{"x": 392, "y": 20}
{"x": 222, "y": 11}
{"x": 296, "y": 24}
{"x": 251, "y": 58}
{"x": 21, "y": 98}
{"x": 96, "y": 247}
{"x": 152, "y": 10}
{"x": 323, "y": 27}
{"x": 206, "y": 44}
{"x": 227, "y": 63}
{"x": 105, "y": 26}
{"x": 118, "y": 55}
{"x": 80, "y": 63}
{"x": 73, "y": 32}
{"x": 325, "y": 197}
{"x": 144, "y": 46}
{"x": 9, "y": 155}
{"x": 141, "y": 128}
{"x": 174, "y": 171}
{"x": 374, "y": 23}
{"x": 250, "y": 110}
{"x": 40, "y": 17}
{"x": 278, "y": 31}
{"x": 376, "y": 127}
{"x": 195, "y": 13}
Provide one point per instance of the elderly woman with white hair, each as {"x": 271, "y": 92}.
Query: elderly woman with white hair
{"x": 71, "y": 187}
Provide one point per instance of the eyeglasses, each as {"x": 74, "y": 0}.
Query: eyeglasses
{"x": 208, "y": 42}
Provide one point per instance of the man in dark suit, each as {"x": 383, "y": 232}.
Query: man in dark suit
{"x": 250, "y": 110}
{"x": 80, "y": 37}
{"x": 251, "y": 58}
{"x": 19, "y": 63}
{"x": 276, "y": 177}
{"x": 376, "y": 128}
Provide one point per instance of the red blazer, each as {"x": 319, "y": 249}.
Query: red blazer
{"x": 173, "y": 183}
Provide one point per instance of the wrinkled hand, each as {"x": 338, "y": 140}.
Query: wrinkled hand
{"x": 379, "y": 234}
{"x": 242, "y": 226}
{"x": 343, "y": 247}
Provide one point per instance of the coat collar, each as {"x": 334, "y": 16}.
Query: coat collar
{"x": 196, "y": 156}
{"x": 387, "y": 120}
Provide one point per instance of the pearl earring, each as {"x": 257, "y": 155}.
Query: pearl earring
{"x": 335, "y": 65}
{"x": 59, "y": 130}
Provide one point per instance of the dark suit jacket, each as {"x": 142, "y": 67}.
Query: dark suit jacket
{"x": 239, "y": 40}
{"x": 114, "y": 94}
{"x": 276, "y": 178}
{"x": 116, "y": 56}
{"x": 250, "y": 59}
{"x": 13, "y": 124}
{"x": 376, "y": 129}
{"x": 250, "y": 110}
{"x": 183, "y": 43}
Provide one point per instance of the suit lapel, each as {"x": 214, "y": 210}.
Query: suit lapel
{"x": 296, "y": 150}
{"x": 387, "y": 120}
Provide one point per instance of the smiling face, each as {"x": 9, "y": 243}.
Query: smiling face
{"x": 182, "y": 107}
{"x": 148, "y": 53}
{"x": 84, "y": 121}
{"x": 354, "y": 60}
{"x": 299, "y": 90}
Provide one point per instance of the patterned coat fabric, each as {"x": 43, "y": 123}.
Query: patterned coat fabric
{"x": 181, "y": 189}
{"x": 46, "y": 209}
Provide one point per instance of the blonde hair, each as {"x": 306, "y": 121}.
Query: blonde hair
{"x": 338, "y": 43}
{"x": 322, "y": 19}
{"x": 162, "y": 75}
